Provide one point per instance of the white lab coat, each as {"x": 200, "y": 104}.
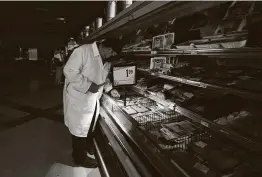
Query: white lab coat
{"x": 83, "y": 68}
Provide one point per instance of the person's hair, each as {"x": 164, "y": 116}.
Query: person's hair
{"x": 114, "y": 43}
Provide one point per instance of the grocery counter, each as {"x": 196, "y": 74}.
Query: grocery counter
{"x": 135, "y": 154}
{"x": 148, "y": 139}
{"x": 196, "y": 106}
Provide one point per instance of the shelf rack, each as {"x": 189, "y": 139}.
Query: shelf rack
{"x": 234, "y": 36}
{"x": 241, "y": 93}
{"x": 245, "y": 142}
{"x": 142, "y": 14}
{"x": 221, "y": 53}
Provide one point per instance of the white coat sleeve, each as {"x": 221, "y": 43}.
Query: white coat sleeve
{"x": 73, "y": 72}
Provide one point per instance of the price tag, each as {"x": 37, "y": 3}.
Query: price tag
{"x": 193, "y": 52}
{"x": 158, "y": 42}
{"x": 204, "y": 123}
{"x": 169, "y": 40}
{"x": 157, "y": 62}
{"x": 153, "y": 52}
{"x": 124, "y": 75}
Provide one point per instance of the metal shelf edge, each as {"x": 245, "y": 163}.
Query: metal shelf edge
{"x": 241, "y": 93}
{"x": 100, "y": 159}
{"x": 142, "y": 14}
{"x": 231, "y": 53}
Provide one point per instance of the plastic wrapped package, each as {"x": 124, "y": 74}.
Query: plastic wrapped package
{"x": 217, "y": 159}
{"x": 249, "y": 126}
{"x": 193, "y": 166}
{"x": 223, "y": 106}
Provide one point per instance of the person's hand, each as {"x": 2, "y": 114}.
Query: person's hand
{"x": 100, "y": 85}
{"x": 107, "y": 66}
{"x": 115, "y": 94}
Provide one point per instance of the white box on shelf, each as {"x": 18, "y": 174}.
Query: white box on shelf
{"x": 163, "y": 42}
{"x": 32, "y": 54}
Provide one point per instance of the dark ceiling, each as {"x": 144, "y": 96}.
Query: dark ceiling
{"x": 35, "y": 23}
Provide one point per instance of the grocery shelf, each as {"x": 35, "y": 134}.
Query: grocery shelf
{"x": 241, "y": 93}
{"x": 130, "y": 134}
{"x": 208, "y": 40}
{"x": 119, "y": 20}
{"x": 245, "y": 142}
{"x": 142, "y": 14}
{"x": 220, "y": 53}
{"x": 234, "y": 35}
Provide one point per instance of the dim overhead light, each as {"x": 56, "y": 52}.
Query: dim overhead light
{"x": 60, "y": 18}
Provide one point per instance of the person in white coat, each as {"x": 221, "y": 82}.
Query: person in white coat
{"x": 85, "y": 77}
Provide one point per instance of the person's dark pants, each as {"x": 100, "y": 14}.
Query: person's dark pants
{"x": 63, "y": 77}
{"x": 82, "y": 145}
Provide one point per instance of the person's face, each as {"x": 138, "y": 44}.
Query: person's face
{"x": 106, "y": 52}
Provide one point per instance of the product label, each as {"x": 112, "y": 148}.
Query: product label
{"x": 201, "y": 167}
{"x": 158, "y": 42}
{"x": 201, "y": 144}
{"x": 169, "y": 40}
{"x": 204, "y": 123}
{"x": 153, "y": 52}
{"x": 157, "y": 62}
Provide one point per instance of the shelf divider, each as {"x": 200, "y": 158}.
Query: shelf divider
{"x": 241, "y": 93}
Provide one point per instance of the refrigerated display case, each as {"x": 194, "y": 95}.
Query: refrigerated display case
{"x": 172, "y": 141}
{"x": 201, "y": 118}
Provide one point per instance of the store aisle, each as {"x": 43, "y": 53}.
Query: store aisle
{"x": 33, "y": 138}
{"x": 35, "y": 149}
{"x": 30, "y": 149}
{"x": 62, "y": 170}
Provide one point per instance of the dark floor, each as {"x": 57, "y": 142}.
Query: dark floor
{"x": 34, "y": 140}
